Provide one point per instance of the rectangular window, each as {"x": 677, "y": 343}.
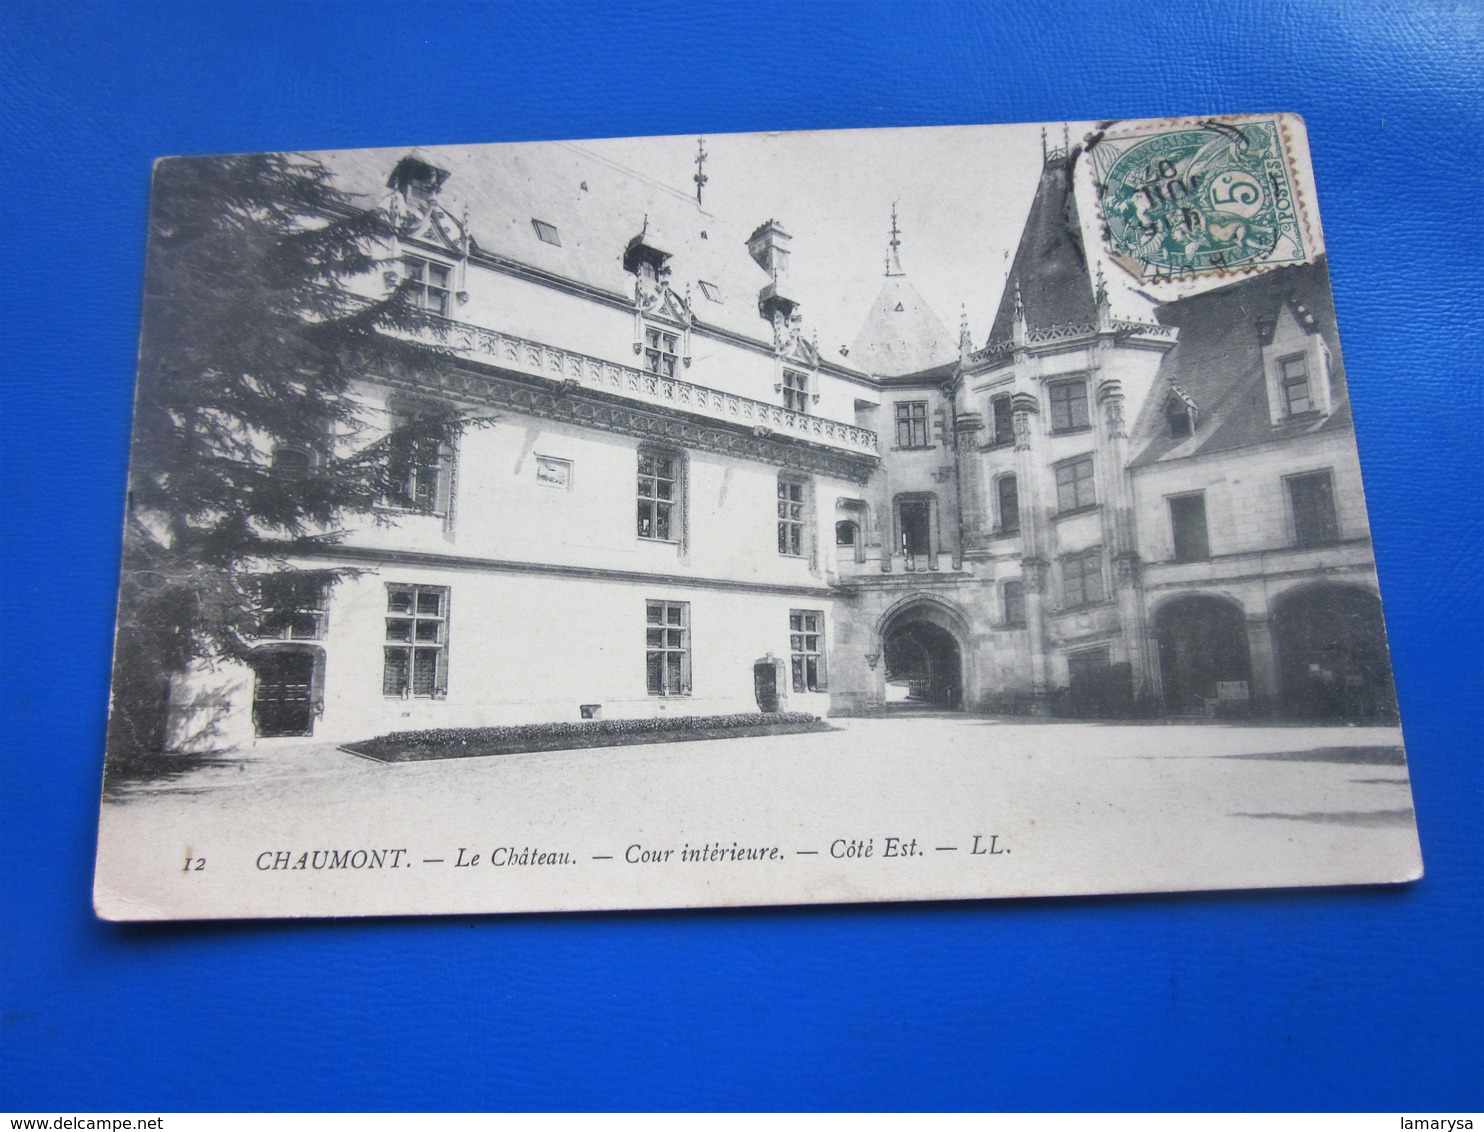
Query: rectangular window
{"x": 293, "y": 462}
{"x": 291, "y": 607}
{"x": 1014, "y": 605}
{"x": 1082, "y": 578}
{"x": 796, "y": 391}
{"x": 915, "y": 523}
{"x": 1069, "y": 406}
{"x": 667, "y": 647}
{"x": 1188, "y": 521}
{"x": 429, "y": 284}
{"x": 912, "y": 424}
{"x": 546, "y": 233}
{"x": 660, "y": 350}
{"x": 1002, "y": 421}
{"x": 1008, "y": 490}
{"x": 1178, "y": 420}
{"x": 659, "y": 495}
{"x": 791, "y": 517}
{"x": 1313, "y": 500}
{"x": 710, "y": 290}
{"x": 415, "y": 656}
{"x": 1075, "y": 488}
{"x": 806, "y": 649}
{"x": 1293, "y": 379}
{"x": 418, "y": 464}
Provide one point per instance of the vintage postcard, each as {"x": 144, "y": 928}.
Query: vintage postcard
{"x": 748, "y": 519}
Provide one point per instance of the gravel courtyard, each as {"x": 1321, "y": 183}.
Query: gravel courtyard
{"x": 904, "y": 807}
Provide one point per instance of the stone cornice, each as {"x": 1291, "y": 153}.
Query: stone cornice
{"x": 1074, "y": 335}
{"x": 569, "y": 403}
{"x": 1344, "y": 557}
{"x": 916, "y": 579}
{"x": 414, "y": 558}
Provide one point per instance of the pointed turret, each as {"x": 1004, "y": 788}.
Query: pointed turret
{"x": 1049, "y": 284}
{"x": 901, "y": 334}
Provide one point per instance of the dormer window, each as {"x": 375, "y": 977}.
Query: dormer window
{"x": 1293, "y": 382}
{"x": 429, "y": 284}
{"x": 1178, "y": 419}
{"x": 546, "y": 233}
{"x": 1296, "y": 364}
{"x": 642, "y": 257}
{"x": 416, "y": 180}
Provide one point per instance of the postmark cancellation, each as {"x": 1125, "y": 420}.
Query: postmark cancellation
{"x": 1204, "y": 200}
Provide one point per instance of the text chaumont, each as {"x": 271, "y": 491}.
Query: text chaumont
{"x": 275, "y": 860}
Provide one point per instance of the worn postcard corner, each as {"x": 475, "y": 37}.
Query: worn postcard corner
{"x": 747, "y": 519}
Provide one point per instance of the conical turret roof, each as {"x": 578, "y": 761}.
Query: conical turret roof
{"x": 1050, "y": 269}
{"x": 901, "y": 334}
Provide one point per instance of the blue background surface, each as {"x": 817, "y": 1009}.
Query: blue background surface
{"x": 1337, "y": 999}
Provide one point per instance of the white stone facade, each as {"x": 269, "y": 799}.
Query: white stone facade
{"x": 869, "y": 512}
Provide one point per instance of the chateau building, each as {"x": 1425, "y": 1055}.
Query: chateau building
{"x": 676, "y": 502}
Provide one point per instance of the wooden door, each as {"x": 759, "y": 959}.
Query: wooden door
{"x": 282, "y": 699}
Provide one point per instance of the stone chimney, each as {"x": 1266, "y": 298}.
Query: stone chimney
{"x": 768, "y": 246}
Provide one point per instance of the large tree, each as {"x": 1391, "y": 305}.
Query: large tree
{"x": 265, "y": 301}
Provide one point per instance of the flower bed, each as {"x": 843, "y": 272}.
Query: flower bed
{"x": 472, "y": 742}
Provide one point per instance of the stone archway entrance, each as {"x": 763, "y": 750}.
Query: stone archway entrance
{"x": 1202, "y": 643}
{"x": 923, "y": 658}
{"x": 1332, "y": 658}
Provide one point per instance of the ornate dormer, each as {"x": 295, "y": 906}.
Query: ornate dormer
{"x": 432, "y": 243}
{"x": 768, "y": 246}
{"x": 662, "y": 317}
{"x": 1296, "y": 365}
{"x": 796, "y": 366}
{"x": 644, "y": 259}
{"x": 417, "y": 181}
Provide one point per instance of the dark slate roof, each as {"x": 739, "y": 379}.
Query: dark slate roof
{"x": 1218, "y": 364}
{"x": 1050, "y": 265}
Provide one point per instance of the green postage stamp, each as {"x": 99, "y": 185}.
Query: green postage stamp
{"x": 1191, "y": 198}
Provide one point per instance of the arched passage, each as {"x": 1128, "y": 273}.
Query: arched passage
{"x": 923, "y": 657}
{"x": 1332, "y": 658}
{"x": 1202, "y": 642}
